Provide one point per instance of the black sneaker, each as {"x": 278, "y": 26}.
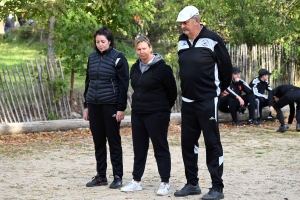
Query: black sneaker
{"x": 213, "y": 194}
{"x": 188, "y": 189}
{"x": 237, "y": 123}
{"x": 97, "y": 181}
{"x": 282, "y": 128}
{"x": 252, "y": 122}
{"x": 298, "y": 127}
{"x": 117, "y": 183}
{"x": 260, "y": 121}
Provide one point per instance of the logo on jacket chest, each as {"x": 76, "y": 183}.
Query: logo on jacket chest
{"x": 239, "y": 88}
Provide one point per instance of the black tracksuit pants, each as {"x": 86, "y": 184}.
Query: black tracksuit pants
{"x": 230, "y": 104}
{"x": 103, "y": 125}
{"x": 260, "y": 103}
{"x": 196, "y": 117}
{"x": 288, "y": 98}
{"x": 155, "y": 126}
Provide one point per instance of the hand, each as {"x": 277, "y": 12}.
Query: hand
{"x": 275, "y": 98}
{"x": 273, "y": 111}
{"x": 86, "y": 114}
{"x": 241, "y": 101}
{"x": 120, "y": 116}
{"x": 224, "y": 93}
{"x": 237, "y": 79}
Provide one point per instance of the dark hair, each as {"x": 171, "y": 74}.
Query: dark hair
{"x": 107, "y": 33}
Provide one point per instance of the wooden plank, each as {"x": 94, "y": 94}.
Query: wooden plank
{"x": 65, "y": 96}
{"x": 26, "y": 118}
{"x": 36, "y": 104}
{"x": 39, "y": 102}
{"x": 12, "y": 97}
{"x": 25, "y": 92}
{"x": 41, "y": 88}
{"x": 4, "y": 109}
{"x": 50, "y": 89}
{"x": 32, "y": 111}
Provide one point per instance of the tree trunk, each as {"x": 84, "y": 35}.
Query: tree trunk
{"x": 51, "y": 53}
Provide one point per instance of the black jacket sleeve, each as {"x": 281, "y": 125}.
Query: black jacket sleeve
{"x": 123, "y": 81}
{"x": 169, "y": 85}
{"x": 231, "y": 93}
{"x": 224, "y": 64}
{"x": 270, "y": 95}
{"x": 87, "y": 81}
{"x": 246, "y": 88}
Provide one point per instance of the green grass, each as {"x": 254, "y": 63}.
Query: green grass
{"x": 16, "y": 54}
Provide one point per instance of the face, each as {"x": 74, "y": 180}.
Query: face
{"x": 143, "y": 50}
{"x": 265, "y": 77}
{"x": 188, "y": 27}
{"x": 102, "y": 43}
{"x": 235, "y": 76}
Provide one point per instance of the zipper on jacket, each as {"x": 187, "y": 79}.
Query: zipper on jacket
{"x": 113, "y": 86}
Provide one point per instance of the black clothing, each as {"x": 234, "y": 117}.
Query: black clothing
{"x": 192, "y": 122}
{"x": 205, "y": 71}
{"x": 154, "y": 90}
{"x": 287, "y": 94}
{"x": 107, "y": 79}
{"x": 237, "y": 88}
{"x": 231, "y": 104}
{"x": 21, "y": 20}
{"x": 103, "y": 125}
{"x": 154, "y": 95}
{"x": 105, "y": 94}
{"x": 205, "y": 66}
{"x": 155, "y": 126}
{"x": 259, "y": 88}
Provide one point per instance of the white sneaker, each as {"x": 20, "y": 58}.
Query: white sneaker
{"x": 132, "y": 186}
{"x": 164, "y": 189}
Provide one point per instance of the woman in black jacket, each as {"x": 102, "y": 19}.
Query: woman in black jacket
{"x": 105, "y": 97}
{"x": 154, "y": 95}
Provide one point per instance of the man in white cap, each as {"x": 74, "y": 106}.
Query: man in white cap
{"x": 205, "y": 73}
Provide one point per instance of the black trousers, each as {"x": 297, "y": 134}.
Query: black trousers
{"x": 155, "y": 126}
{"x": 230, "y": 104}
{"x": 260, "y": 103}
{"x": 104, "y": 126}
{"x": 196, "y": 117}
{"x": 289, "y": 98}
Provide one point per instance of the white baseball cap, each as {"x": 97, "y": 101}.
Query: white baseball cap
{"x": 186, "y": 13}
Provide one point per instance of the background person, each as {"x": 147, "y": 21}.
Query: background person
{"x": 154, "y": 95}
{"x": 9, "y": 22}
{"x": 284, "y": 95}
{"x": 205, "y": 73}
{"x": 235, "y": 100}
{"x": 105, "y": 97}
{"x": 259, "y": 86}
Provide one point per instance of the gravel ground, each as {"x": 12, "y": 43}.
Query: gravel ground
{"x": 259, "y": 163}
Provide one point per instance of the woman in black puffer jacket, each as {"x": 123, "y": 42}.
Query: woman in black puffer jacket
{"x": 105, "y": 97}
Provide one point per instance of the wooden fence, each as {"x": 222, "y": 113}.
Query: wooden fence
{"x": 273, "y": 58}
{"x": 30, "y": 93}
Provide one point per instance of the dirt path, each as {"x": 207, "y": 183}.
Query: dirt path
{"x": 259, "y": 164}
